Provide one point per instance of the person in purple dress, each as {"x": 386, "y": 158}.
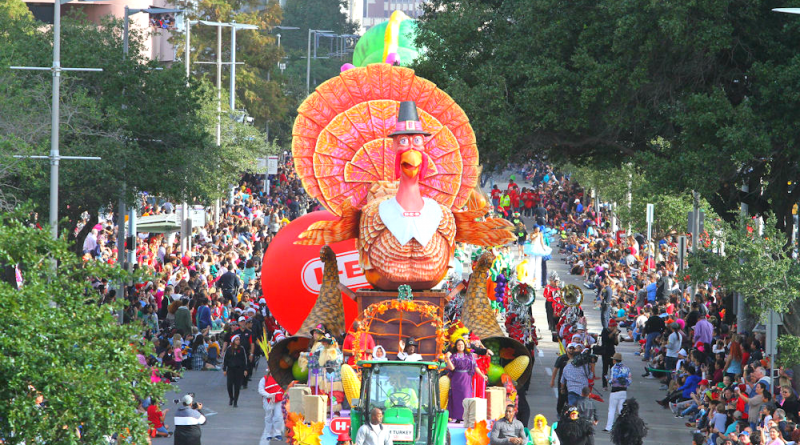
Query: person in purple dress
{"x": 462, "y": 365}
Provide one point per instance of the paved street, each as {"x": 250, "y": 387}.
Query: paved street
{"x": 225, "y": 423}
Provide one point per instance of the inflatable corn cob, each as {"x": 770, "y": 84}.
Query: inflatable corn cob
{"x": 444, "y": 390}
{"x": 517, "y": 367}
{"x": 351, "y": 383}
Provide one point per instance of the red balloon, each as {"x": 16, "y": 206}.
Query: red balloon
{"x": 291, "y": 274}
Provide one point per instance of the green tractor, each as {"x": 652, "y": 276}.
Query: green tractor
{"x": 408, "y": 394}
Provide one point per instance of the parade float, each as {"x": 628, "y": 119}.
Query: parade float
{"x": 394, "y": 161}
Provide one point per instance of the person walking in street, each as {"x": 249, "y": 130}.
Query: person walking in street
{"x": 609, "y": 339}
{"x": 587, "y": 410}
{"x": 508, "y": 430}
{"x": 550, "y": 293}
{"x": 620, "y": 379}
{"x": 573, "y": 379}
{"x": 271, "y": 398}
{"x": 629, "y": 429}
{"x": 558, "y": 370}
{"x": 234, "y": 367}
{"x": 373, "y": 433}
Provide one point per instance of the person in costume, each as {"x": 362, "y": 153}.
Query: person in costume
{"x": 521, "y": 231}
{"x": 629, "y": 428}
{"x": 462, "y": 365}
{"x": 379, "y": 354}
{"x": 537, "y": 249}
{"x": 315, "y": 347}
{"x": 408, "y": 351}
{"x": 271, "y": 399}
{"x": 574, "y": 430}
{"x": 542, "y": 434}
{"x": 550, "y": 294}
{"x": 330, "y": 364}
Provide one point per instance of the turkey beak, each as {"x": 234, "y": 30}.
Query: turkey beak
{"x": 410, "y": 162}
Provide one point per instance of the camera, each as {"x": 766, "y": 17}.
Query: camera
{"x": 194, "y": 405}
{"x": 584, "y": 358}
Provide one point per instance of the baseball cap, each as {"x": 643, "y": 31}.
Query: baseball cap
{"x": 187, "y": 399}
{"x": 242, "y": 319}
{"x": 703, "y": 382}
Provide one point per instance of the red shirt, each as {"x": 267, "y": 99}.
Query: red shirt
{"x": 365, "y": 344}
{"x": 511, "y": 185}
{"x": 528, "y": 198}
{"x": 155, "y": 416}
{"x": 496, "y": 193}
{"x": 514, "y": 200}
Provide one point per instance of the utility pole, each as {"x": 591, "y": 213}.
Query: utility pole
{"x": 55, "y": 155}
{"x": 695, "y": 229}
{"x": 308, "y": 56}
{"x": 741, "y": 307}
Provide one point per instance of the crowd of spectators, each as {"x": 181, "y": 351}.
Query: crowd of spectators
{"x": 162, "y": 21}
{"x": 198, "y": 302}
{"x": 714, "y": 375}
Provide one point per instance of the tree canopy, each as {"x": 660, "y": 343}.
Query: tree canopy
{"x": 152, "y": 132}
{"x": 700, "y": 95}
{"x": 58, "y": 344}
{"x": 261, "y": 96}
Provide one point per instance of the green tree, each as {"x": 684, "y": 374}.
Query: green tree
{"x": 256, "y": 92}
{"x": 152, "y": 132}
{"x": 325, "y": 15}
{"x": 699, "y": 95}
{"x": 59, "y": 344}
{"x": 762, "y": 270}
{"x": 614, "y": 183}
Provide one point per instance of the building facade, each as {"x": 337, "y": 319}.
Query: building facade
{"x": 157, "y": 29}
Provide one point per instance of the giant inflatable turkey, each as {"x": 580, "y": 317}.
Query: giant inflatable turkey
{"x": 395, "y": 157}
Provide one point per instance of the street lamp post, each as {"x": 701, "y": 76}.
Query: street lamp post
{"x": 55, "y": 155}
{"x": 308, "y": 56}
{"x": 285, "y": 28}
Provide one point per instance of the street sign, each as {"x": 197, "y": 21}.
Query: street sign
{"x": 691, "y": 221}
{"x": 340, "y": 425}
{"x": 272, "y": 165}
{"x": 197, "y": 214}
{"x": 261, "y": 164}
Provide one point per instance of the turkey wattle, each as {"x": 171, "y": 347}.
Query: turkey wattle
{"x": 406, "y": 229}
